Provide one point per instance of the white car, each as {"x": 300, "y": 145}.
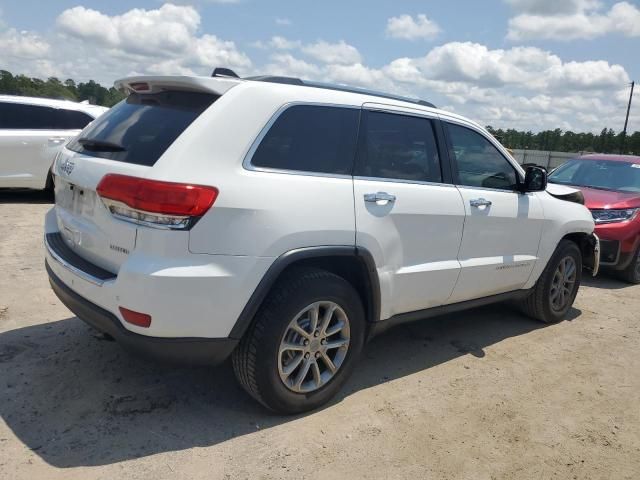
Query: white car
{"x": 283, "y": 223}
{"x": 32, "y": 131}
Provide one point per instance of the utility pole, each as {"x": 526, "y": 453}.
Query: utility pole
{"x": 626, "y": 120}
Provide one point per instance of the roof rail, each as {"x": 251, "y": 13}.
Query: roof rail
{"x": 276, "y": 79}
{"x": 227, "y": 72}
{"x": 339, "y": 88}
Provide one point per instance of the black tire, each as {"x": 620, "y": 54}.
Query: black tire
{"x": 631, "y": 274}
{"x": 255, "y": 360}
{"x": 48, "y": 184}
{"x": 538, "y": 303}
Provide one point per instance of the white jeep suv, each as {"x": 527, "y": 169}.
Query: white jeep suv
{"x": 32, "y": 131}
{"x": 283, "y": 223}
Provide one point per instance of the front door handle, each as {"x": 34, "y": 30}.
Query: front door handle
{"x": 381, "y": 198}
{"x": 480, "y": 202}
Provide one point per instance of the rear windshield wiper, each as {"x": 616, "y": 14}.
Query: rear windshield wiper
{"x": 95, "y": 145}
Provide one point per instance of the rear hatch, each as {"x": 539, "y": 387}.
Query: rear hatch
{"x": 126, "y": 141}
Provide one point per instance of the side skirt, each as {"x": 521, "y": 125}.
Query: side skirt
{"x": 383, "y": 325}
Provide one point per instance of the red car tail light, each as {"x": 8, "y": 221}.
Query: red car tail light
{"x": 155, "y": 203}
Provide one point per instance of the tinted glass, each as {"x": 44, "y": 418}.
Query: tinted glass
{"x": 602, "y": 174}
{"x": 70, "y": 119}
{"x": 480, "y": 164}
{"x": 399, "y": 147}
{"x": 27, "y": 117}
{"x": 310, "y": 138}
{"x": 140, "y": 128}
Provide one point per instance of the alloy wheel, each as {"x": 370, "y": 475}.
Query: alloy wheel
{"x": 313, "y": 347}
{"x": 563, "y": 283}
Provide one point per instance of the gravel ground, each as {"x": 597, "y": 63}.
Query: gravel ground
{"x": 486, "y": 394}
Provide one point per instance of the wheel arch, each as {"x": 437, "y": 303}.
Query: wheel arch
{"x": 587, "y": 243}
{"x": 354, "y": 264}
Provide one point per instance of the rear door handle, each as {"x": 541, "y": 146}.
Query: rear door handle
{"x": 56, "y": 140}
{"x": 480, "y": 202}
{"x": 381, "y": 197}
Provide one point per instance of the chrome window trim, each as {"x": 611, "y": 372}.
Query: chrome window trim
{"x": 398, "y": 110}
{"x": 246, "y": 162}
{"x": 489, "y": 189}
{"x": 76, "y": 271}
{"x": 397, "y": 180}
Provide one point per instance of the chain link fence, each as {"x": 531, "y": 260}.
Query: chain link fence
{"x": 549, "y": 160}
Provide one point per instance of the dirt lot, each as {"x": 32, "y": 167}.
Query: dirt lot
{"x": 487, "y": 394}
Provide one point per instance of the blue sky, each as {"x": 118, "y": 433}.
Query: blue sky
{"x": 531, "y": 64}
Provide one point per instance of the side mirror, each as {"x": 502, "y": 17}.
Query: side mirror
{"x": 535, "y": 180}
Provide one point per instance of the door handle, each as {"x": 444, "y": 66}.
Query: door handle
{"x": 56, "y": 140}
{"x": 480, "y": 202}
{"x": 381, "y": 197}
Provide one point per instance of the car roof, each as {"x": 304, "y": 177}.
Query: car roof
{"x": 298, "y": 90}
{"x": 611, "y": 157}
{"x": 92, "y": 110}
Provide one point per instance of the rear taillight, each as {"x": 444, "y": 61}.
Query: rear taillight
{"x": 155, "y": 203}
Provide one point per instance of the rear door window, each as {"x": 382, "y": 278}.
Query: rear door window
{"x": 140, "y": 128}
{"x": 311, "y": 138}
{"x": 18, "y": 116}
{"x": 398, "y": 147}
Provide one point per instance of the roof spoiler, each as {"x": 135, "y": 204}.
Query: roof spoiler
{"x": 155, "y": 84}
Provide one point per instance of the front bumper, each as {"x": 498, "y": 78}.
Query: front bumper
{"x": 193, "y": 351}
{"x": 620, "y": 242}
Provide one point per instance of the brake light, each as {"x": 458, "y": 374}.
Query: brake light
{"x": 139, "y": 86}
{"x": 155, "y": 203}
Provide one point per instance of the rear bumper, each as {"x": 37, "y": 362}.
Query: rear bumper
{"x": 193, "y": 351}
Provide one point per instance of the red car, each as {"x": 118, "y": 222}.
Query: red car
{"x": 611, "y": 188}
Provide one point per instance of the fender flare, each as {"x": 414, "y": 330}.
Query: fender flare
{"x": 292, "y": 256}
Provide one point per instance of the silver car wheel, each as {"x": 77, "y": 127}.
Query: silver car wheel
{"x": 563, "y": 283}
{"x": 313, "y": 347}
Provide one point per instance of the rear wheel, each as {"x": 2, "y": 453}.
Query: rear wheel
{"x": 303, "y": 343}
{"x": 631, "y": 274}
{"x": 556, "y": 289}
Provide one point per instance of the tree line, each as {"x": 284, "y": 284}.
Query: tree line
{"x": 608, "y": 141}
{"x": 53, "y": 87}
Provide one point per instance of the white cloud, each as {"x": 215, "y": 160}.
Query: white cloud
{"x": 525, "y": 67}
{"x": 408, "y": 28}
{"x": 281, "y": 43}
{"x": 584, "y": 21}
{"x": 284, "y": 22}
{"x": 552, "y": 7}
{"x": 157, "y": 41}
{"x": 23, "y": 44}
{"x": 339, "y": 53}
{"x": 287, "y": 65}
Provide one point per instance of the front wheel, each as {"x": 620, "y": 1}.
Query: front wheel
{"x": 303, "y": 343}
{"x": 631, "y": 274}
{"x": 556, "y": 289}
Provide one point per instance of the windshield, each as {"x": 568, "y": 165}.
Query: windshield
{"x": 600, "y": 174}
{"x": 140, "y": 128}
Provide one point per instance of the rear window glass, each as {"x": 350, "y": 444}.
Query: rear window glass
{"x": 310, "y": 138}
{"x": 140, "y": 128}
